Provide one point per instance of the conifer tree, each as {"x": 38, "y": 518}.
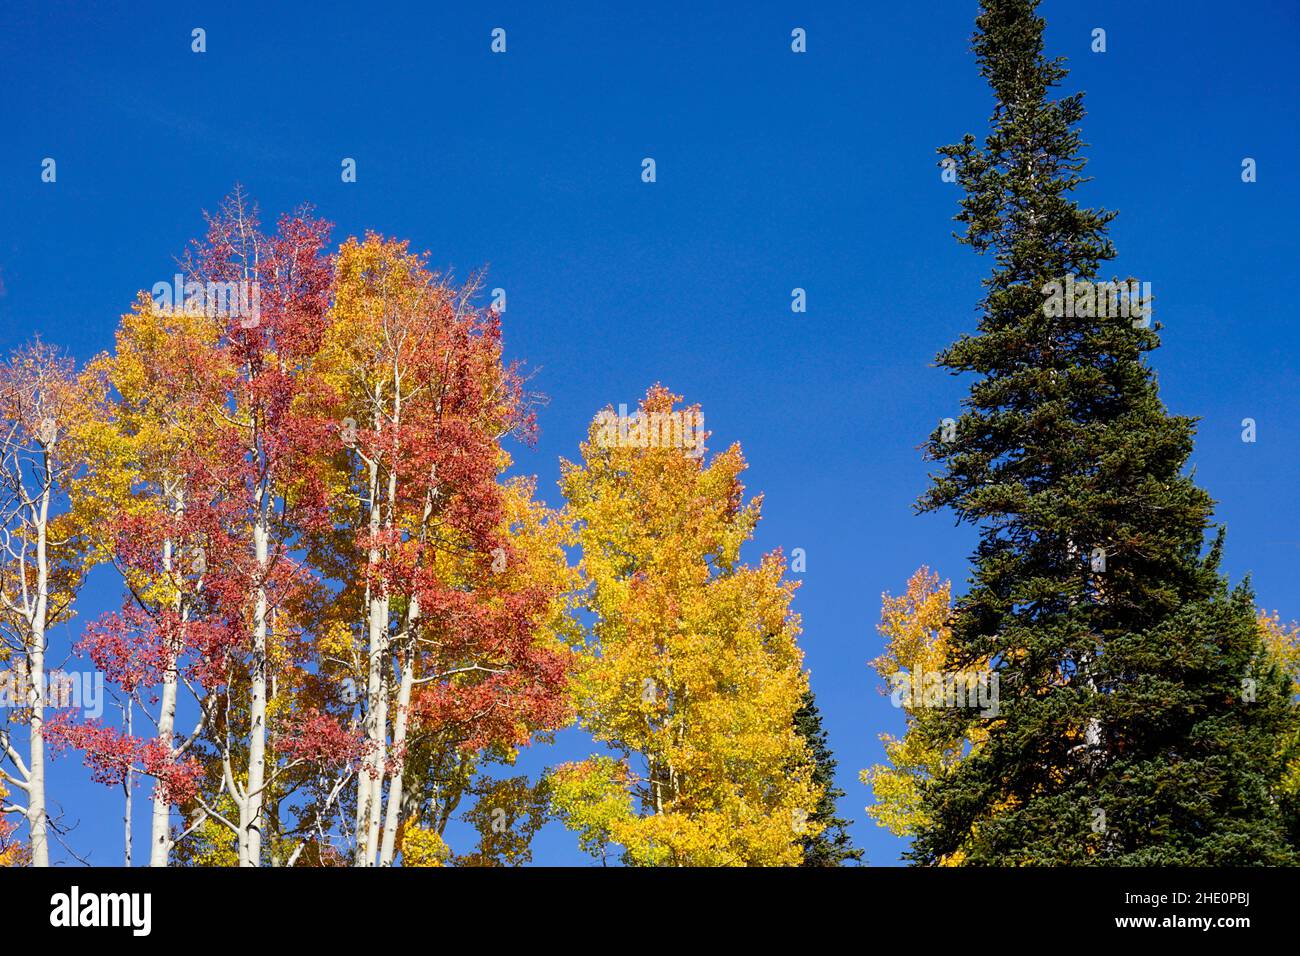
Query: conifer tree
{"x": 828, "y": 843}
{"x": 1139, "y": 720}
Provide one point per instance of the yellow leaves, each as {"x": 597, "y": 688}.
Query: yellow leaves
{"x": 12, "y": 853}
{"x": 46, "y": 410}
{"x": 422, "y": 846}
{"x": 915, "y": 628}
{"x": 539, "y": 537}
{"x": 376, "y": 274}
{"x": 212, "y": 843}
{"x": 898, "y": 801}
{"x": 1282, "y": 646}
{"x": 388, "y": 308}
{"x": 592, "y": 799}
{"x": 659, "y": 507}
{"x": 335, "y": 640}
{"x": 146, "y": 404}
{"x": 507, "y": 814}
{"x": 693, "y": 667}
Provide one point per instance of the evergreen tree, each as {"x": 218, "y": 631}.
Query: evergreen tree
{"x": 1139, "y": 722}
{"x": 830, "y": 844}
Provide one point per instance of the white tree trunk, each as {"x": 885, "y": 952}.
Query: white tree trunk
{"x": 160, "y": 833}
{"x": 251, "y": 815}
{"x": 37, "y": 819}
{"x": 370, "y": 780}
{"x": 36, "y": 816}
{"x": 126, "y": 789}
{"x": 160, "y": 830}
{"x": 392, "y": 818}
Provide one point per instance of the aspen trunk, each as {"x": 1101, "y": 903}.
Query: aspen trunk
{"x": 126, "y": 789}
{"x": 36, "y": 815}
{"x": 160, "y": 829}
{"x": 395, "y": 786}
{"x": 37, "y": 818}
{"x": 370, "y": 780}
{"x": 251, "y": 822}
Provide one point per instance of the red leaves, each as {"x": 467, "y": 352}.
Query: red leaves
{"x": 292, "y": 275}
{"x": 197, "y": 556}
{"x": 428, "y": 399}
{"x": 256, "y": 464}
{"x": 179, "y": 779}
{"x": 320, "y": 739}
{"x": 110, "y": 754}
{"x": 129, "y": 648}
{"x": 506, "y": 708}
{"x": 510, "y": 686}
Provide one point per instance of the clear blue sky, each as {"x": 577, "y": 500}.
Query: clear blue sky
{"x": 775, "y": 170}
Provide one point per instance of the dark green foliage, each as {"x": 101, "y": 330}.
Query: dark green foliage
{"x": 1126, "y": 735}
{"x": 832, "y": 846}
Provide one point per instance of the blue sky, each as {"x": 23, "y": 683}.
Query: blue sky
{"x": 774, "y": 171}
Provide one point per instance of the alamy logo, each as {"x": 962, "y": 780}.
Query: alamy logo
{"x": 83, "y": 690}
{"x": 682, "y": 429}
{"x": 228, "y": 300}
{"x": 1079, "y": 298}
{"x": 974, "y": 690}
{"x": 74, "y": 909}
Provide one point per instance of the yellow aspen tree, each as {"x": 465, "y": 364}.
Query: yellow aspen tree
{"x": 692, "y": 674}
{"x": 914, "y": 626}
{"x": 1282, "y": 648}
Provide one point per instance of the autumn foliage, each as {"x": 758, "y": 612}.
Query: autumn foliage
{"x": 691, "y": 673}
{"x": 340, "y": 618}
{"x": 338, "y": 612}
